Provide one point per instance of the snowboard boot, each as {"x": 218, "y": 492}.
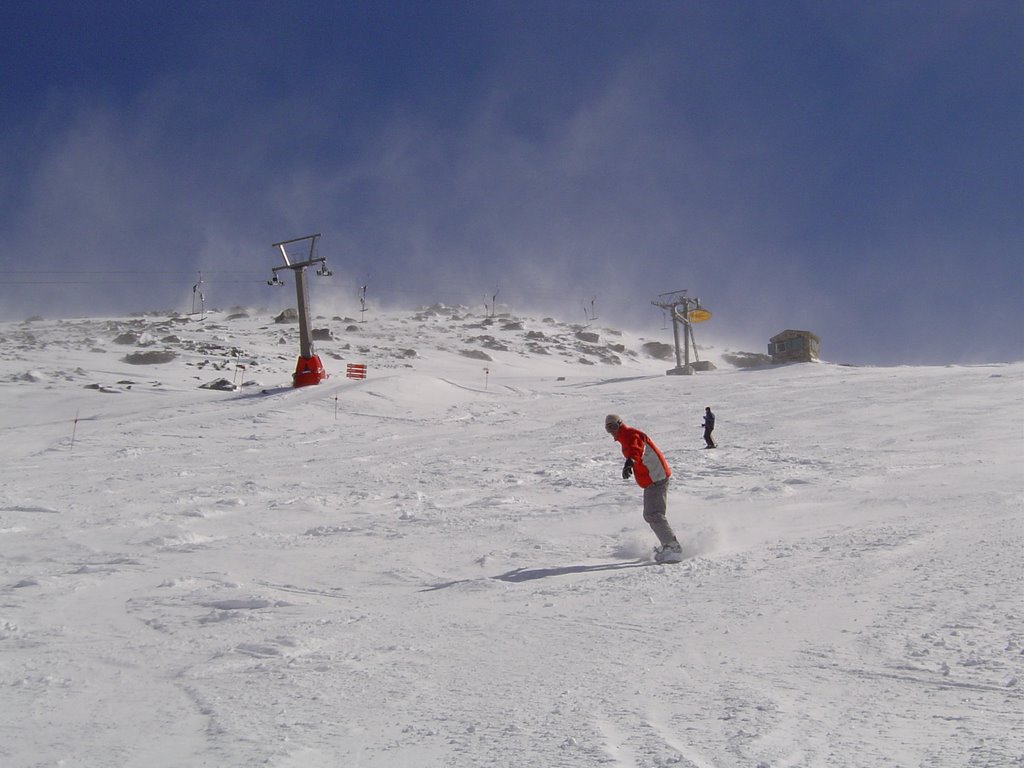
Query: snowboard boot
{"x": 668, "y": 553}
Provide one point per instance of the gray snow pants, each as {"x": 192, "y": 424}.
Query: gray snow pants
{"x": 655, "y": 506}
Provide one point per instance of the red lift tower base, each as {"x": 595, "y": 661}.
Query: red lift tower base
{"x": 309, "y": 370}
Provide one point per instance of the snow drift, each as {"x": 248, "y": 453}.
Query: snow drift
{"x": 440, "y": 566}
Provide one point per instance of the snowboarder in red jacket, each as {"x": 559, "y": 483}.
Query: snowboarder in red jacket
{"x": 647, "y": 465}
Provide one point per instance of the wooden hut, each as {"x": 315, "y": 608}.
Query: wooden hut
{"x": 794, "y": 347}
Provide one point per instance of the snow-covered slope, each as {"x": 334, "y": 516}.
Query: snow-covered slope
{"x": 440, "y": 565}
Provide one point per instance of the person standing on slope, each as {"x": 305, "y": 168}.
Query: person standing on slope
{"x": 709, "y": 427}
{"x": 645, "y": 463}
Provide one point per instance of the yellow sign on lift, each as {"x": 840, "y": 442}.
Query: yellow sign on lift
{"x": 698, "y": 315}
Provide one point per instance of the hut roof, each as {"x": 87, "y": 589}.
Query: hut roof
{"x": 790, "y": 334}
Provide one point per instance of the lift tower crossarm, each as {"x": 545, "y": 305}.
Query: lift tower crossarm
{"x": 288, "y": 264}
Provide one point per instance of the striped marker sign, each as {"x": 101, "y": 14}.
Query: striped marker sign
{"x": 356, "y": 370}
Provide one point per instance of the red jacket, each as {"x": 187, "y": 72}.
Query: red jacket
{"x": 649, "y": 466}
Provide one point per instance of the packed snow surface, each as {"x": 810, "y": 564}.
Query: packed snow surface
{"x": 440, "y": 566}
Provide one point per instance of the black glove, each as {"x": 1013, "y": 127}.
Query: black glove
{"x": 627, "y": 469}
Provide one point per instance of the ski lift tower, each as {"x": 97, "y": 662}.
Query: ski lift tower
{"x": 685, "y": 312}
{"x": 308, "y": 369}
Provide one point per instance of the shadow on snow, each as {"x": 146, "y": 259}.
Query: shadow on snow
{"x": 531, "y": 574}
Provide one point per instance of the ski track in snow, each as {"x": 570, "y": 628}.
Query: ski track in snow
{"x": 429, "y": 569}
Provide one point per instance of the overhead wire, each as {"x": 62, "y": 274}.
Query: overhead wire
{"x": 116, "y": 276}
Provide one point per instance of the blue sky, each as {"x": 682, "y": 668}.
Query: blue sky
{"x": 855, "y": 169}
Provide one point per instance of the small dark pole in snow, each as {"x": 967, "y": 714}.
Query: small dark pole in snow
{"x": 239, "y": 367}
{"x": 487, "y": 374}
{"x": 335, "y": 407}
{"x": 74, "y": 429}
{"x": 362, "y": 304}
